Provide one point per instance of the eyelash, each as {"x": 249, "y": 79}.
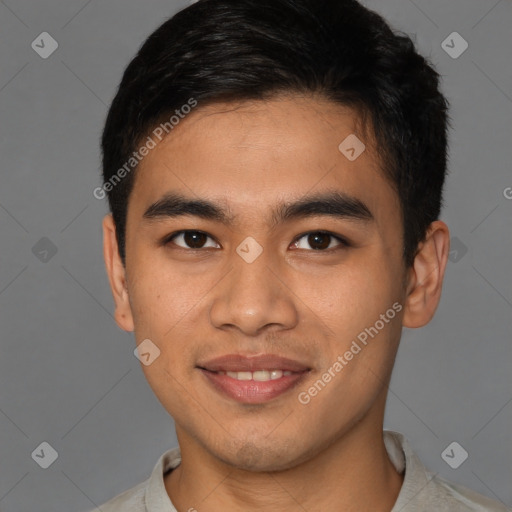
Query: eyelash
{"x": 343, "y": 243}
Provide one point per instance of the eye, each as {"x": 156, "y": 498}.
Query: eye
{"x": 190, "y": 240}
{"x": 319, "y": 241}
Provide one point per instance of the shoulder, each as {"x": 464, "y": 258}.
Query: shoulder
{"x": 150, "y": 494}
{"x": 424, "y": 491}
{"x": 131, "y": 499}
{"x": 457, "y": 498}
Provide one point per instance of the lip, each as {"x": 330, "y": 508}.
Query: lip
{"x": 251, "y": 391}
{"x": 240, "y": 363}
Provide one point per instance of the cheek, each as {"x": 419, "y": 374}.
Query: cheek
{"x": 160, "y": 297}
{"x": 351, "y": 297}
{"x": 352, "y": 310}
{"x": 170, "y": 309}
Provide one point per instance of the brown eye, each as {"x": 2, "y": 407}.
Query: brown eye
{"x": 191, "y": 240}
{"x": 194, "y": 239}
{"x": 319, "y": 241}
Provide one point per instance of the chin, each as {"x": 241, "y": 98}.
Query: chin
{"x": 260, "y": 457}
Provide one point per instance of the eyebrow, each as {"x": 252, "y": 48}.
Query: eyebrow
{"x": 331, "y": 203}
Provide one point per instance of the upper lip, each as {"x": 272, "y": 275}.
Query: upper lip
{"x": 240, "y": 363}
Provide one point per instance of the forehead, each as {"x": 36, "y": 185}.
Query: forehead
{"x": 249, "y": 155}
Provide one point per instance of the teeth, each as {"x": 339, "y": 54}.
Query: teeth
{"x": 259, "y": 375}
{"x": 240, "y": 375}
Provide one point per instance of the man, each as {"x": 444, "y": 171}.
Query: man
{"x": 275, "y": 174}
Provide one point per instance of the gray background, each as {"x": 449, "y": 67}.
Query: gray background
{"x": 68, "y": 375}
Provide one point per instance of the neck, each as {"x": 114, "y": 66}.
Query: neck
{"x": 353, "y": 473}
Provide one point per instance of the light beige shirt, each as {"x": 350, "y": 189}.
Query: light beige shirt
{"x": 421, "y": 490}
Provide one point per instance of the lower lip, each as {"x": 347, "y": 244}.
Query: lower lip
{"x": 252, "y": 391}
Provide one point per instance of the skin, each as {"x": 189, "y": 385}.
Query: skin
{"x": 293, "y": 300}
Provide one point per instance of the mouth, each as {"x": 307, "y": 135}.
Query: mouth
{"x": 259, "y": 375}
{"x": 238, "y": 363}
{"x": 254, "y": 379}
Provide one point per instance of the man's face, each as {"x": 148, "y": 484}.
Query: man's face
{"x": 287, "y": 291}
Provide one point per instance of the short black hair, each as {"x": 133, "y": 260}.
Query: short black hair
{"x": 236, "y": 50}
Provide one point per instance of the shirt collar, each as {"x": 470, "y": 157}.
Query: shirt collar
{"x": 402, "y": 456}
{"x": 157, "y": 499}
{"x": 416, "y": 476}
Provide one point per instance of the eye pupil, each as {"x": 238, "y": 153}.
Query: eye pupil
{"x": 319, "y": 240}
{"x": 194, "y": 239}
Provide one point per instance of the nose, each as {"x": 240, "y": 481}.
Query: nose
{"x": 252, "y": 297}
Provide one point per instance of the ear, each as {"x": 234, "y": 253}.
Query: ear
{"x": 425, "y": 277}
{"x": 116, "y": 275}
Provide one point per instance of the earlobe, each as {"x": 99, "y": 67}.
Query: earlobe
{"x": 425, "y": 277}
{"x": 117, "y": 275}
